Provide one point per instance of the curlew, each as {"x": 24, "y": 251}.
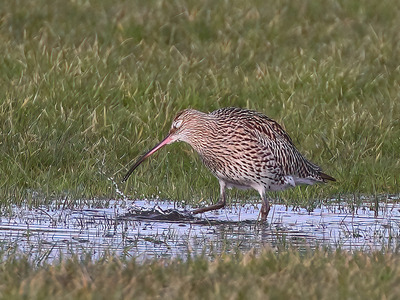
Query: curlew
{"x": 243, "y": 149}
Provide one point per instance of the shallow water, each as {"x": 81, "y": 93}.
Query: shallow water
{"x": 150, "y": 229}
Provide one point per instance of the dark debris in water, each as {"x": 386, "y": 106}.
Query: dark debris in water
{"x": 157, "y": 214}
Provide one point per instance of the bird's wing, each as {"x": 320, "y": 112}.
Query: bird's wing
{"x": 272, "y": 138}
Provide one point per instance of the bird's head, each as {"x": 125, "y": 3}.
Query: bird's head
{"x": 182, "y": 125}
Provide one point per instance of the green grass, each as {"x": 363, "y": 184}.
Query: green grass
{"x": 87, "y": 86}
{"x": 288, "y": 274}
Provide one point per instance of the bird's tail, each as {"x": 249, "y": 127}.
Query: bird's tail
{"x": 326, "y": 177}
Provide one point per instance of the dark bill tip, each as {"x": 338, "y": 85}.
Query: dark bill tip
{"x": 164, "y": 142}
{"x": 137, "y": 163}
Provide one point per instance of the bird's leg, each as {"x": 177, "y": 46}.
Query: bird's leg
{"x": 218, "y": 205}
{"x": 265, "y": 207}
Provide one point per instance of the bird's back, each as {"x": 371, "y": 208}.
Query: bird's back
{"x": 248, "y": 149}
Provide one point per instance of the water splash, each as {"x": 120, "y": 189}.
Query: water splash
{"x": 117, "y": 190}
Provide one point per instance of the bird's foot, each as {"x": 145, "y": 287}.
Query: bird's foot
{"x": 218, "y": 205}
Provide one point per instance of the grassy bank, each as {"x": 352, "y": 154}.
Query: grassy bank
{"x": 85, "y": 87}
{"x": 287, "y": 275}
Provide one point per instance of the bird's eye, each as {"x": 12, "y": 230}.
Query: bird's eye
{"x": 177, "y": 124}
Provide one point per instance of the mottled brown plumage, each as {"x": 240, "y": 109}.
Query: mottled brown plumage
{"x": 243, "y": 149}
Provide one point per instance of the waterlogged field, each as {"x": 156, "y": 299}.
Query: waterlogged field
{"x": 155, "y": 229}
{"x": 87, "y": 86}
{"x": 150, "y": 249}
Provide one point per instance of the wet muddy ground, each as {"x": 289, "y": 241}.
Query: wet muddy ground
{"x": 153, "y": 229}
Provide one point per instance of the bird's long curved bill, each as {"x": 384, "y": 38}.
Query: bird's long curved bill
{"x": 164, "y": 142}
